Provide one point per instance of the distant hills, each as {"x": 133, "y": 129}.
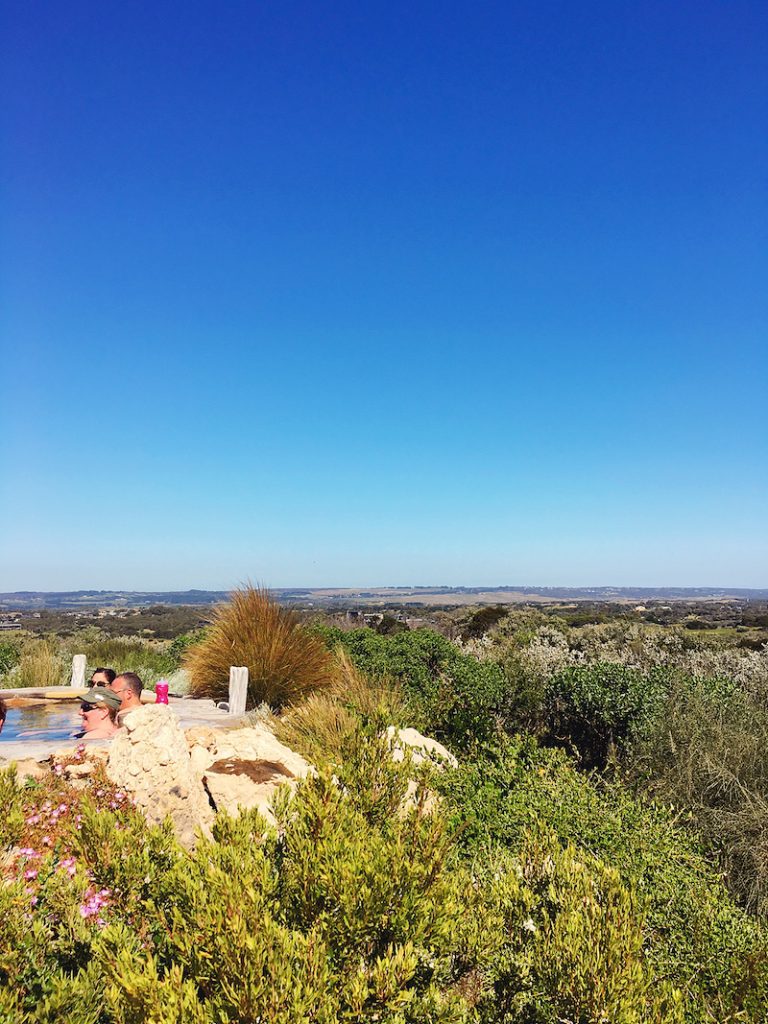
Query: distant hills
{"x": 32, "y": 600}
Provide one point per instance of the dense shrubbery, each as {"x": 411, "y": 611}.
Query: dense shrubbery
{"x": 695, "y": 934}
{"x": 32, "y": 661}
{"x": 706, "y": 752}
{"x": 353, "y": 910}
{"x": 534, "y": 893}
{"x": 595, "y": 708}
{"x": 451, "y": 694}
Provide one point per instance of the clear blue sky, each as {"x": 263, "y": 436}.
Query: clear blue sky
{"x": 384, "y": 293}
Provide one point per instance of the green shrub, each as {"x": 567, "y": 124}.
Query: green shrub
{"x": 149, "y": 659}
{"x": 40, "y": 665}
{"x": 574, "y": 946}
{"x": 593, "y": 708}
{"x": 697, "y": 938}
{"x": 323, "y": 727}
{"x": 179, "y": 646}
{"x": 9, "y": 656}
{"x": 452, "y": 695}
{"x": 706, "y": 752}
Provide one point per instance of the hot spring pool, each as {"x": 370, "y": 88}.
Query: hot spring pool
{"x": 56, "y": 720}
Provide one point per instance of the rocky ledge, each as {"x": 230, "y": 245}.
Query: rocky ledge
{"x": 188, "y": 775}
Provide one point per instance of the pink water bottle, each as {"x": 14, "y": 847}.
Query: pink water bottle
{"x": 161, "y": 692}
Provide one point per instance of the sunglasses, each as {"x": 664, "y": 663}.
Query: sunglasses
{"x": 85, "y": 708}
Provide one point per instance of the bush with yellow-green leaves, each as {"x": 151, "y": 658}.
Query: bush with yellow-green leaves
{"x": 357, "y": 908}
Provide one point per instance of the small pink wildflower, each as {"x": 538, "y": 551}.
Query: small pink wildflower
{"x": 29, "y": 874}
{"x": 69, "y": 865}
{"x": 94, "y": 903}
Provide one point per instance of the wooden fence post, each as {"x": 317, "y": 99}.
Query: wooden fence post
{"x": 78, "y": 672}
{"x": 238, "y": 690}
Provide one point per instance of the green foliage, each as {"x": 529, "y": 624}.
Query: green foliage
{"x": 179, "y": 646}
{"x": 452, "y": 695}
{"x": 40, "y": 664}
{"x": 327, "y": 724}
{"x": 149, "y": 659}
{"x": 574, "y": 942}
{"x": 12, "y": 803}
{"x": 696, "y": 936}
{"x": 344, "y": 915}
{"x": 9, "y": 655}
{"x": 706, "y": 751}
{"x": 595, "y": 707}
{"x": 480, "y": 621}
{"x": 390, "y": 624}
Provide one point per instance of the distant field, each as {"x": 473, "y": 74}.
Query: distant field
{"x": 93, "y": 600}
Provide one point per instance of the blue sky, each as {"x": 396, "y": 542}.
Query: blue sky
{"x": 344, "y": 294}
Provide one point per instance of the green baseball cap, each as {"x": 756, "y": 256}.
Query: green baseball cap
{"x": 101, "y": 697}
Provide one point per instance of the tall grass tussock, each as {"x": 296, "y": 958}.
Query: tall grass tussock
{"x": 40, "y": 664}
{"x": 323, "y": 725}
{"x": 285, "y": 662}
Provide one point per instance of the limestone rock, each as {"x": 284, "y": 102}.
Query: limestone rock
{"x": 422, "y": 748}
{"x": 150, "y": 758}
{"x": 245, "y": 767}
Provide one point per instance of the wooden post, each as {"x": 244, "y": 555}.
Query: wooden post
{"x": 238, "y": 690}
{"x": 78, "y": 672}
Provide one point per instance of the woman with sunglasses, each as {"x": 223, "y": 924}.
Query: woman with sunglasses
{"x": 98, "y": 712}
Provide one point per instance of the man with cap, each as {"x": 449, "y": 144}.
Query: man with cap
{"x": 98, "y": 711}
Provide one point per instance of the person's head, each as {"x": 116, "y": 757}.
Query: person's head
{"x": 128, "y": 687}
{"x": 3, "y": 713}
{"x": 98, "y": 709}
{"x": 103, "y": 677}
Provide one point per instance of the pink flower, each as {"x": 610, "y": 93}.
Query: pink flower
{"x": 69, "y": 865}
{"x": 94, "y": 903}
{"x": 30, "y": 874}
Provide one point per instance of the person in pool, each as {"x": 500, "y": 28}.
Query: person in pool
{"x": 98, "y": 711}
{"x": 127, "y": 687}
{"x": 102, "y": 677}
{"x": 3, "y": 713}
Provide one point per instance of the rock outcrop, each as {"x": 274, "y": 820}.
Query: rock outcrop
{"x": 189, "y": 776}
{"x": 150, "y": 758}
{"x": 242, "y": 768}
{"x": 422, "y": 748}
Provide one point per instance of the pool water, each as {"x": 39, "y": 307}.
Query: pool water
{"x": 52, "y": 721}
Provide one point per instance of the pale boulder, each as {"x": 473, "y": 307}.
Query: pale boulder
{"x": 150, "y": 759}
{"x": 243, "y": 768}
{"x": 422, "y": 748}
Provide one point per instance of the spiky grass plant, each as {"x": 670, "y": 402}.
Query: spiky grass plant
{"x": 285, "y": 662}
{"x": 322, "y": 726}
